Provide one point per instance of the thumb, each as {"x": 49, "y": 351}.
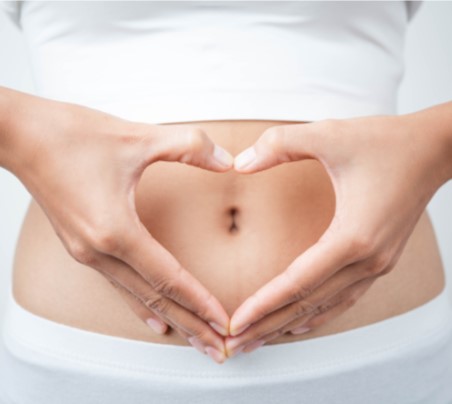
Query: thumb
{"x": 189, "y": 145}
{"x": 280, "y": 144}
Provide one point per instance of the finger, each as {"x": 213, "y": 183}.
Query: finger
{"x": 166, "y": 309}
{"x": 160, "y": 269}
{"x": 141, "y": 311}
{"x": 333, "y": 311}
{"x": 333, "y": 288}
{"x": 306, "y": 273}
{"x": 280, "y": 144}
{"x": 327, "y": 311}
{"x": 146, "y": 315}
{"x": 189, "y": 145}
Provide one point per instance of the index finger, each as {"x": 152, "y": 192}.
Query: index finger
{"x": 306, "y": 273}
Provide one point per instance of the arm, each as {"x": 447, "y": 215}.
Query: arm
{"x": 381, "y": 167}
{"x": 82, "y": 167}
{"x": 5, "y": 135}
{"x": 436, "y": 122}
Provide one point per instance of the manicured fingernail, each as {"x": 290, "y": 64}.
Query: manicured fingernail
{"x": 215, "y": 354}
{"x": 251, "y": 347}
{"x": 300, "y": 330}
{"x": 239, "y": 330}
{"x": 218, "y": 328}
{"x": 156, "y": 325}
{"x": 233, "y": 343}
{"x": 222, "y": 156}
{"x": 234, "y": 351}
{"x": 197, "y": 344}
{"x": 245, "y": 158}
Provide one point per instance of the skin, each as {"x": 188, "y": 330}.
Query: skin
{"x": 96, "y": 219}
{"x": 94, "y": 223}
{"x": 374, "y": 168}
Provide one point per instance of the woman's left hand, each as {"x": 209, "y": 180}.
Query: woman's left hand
{"x": 384, "y": 170}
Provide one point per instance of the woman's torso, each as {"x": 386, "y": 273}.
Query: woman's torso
{"x": 280, "y": 212}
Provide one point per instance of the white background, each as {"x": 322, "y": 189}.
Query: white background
{"x": 428, "y": 81}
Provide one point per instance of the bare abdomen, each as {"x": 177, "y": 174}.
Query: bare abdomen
{"x": 233, "y": 231}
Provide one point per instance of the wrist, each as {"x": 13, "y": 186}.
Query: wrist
{"x": 6, "y": 137}
{"x": 19, "y": 112}
{"x": 11, "y": 102}
{"x": 434, "y": 126}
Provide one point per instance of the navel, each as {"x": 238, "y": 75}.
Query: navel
{"x": 233, "y": 224}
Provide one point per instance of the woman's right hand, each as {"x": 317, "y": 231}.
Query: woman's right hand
{"x": 82, "y": 166}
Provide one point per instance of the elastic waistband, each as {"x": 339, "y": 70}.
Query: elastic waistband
{"x": 75, "y": 347}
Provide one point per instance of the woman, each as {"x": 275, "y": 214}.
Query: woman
{"x": 225, "y": 255}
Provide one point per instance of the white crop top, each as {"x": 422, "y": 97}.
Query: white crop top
{"x": 167, "y": 61}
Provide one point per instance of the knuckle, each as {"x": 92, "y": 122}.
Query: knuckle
{"x": 165, "y": 287}
{"x": 201, "y": 334}
{"x": 297, "y": 292}
{"x": 303, "y": 307}
{"x": 195, "y": 139}
{"x": 372, "y": 270}
{"x": 323, "y": 308}
{"x": 277, "y": 333}
{"x": 273, "y": 137}
{"x": 82, "y": 253}
{"x": 360, "y": 246}
{"x": 301, "y": 293}
{"x": 104, "y": 236}
{"x": 379, "y": 265}
{"x": 381, "y": 261}
{"x": 157, "y": 303}
{"x": 106, "y": 241}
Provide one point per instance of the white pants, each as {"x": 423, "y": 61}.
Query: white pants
{"x": 403, "y": 359}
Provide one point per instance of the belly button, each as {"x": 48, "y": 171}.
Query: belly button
{"x": 233, "y": 212}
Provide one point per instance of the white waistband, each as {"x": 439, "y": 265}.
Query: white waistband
{"x": 76, "y": 347}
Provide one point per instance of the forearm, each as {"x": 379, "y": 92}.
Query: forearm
{"x": 25, "y": 120}
{"x": 12, "y": 141}
{"x": 6, "y": 137}
{"x": 435, "y": 123}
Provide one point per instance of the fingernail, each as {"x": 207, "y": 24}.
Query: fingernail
{"x": 239, "y": 330}
{"x": 251, "y": 347}
{"x": 215, "y": 354}
{"x": 197, "y": 344}
{"x": 156, "y": 325}
{"x": 222, "y": 156}
{"x": 235, "y": 351}
{"x": 245, "y": 158}
{"x": 218, "y": 328}
{"x": 300, "y": 330}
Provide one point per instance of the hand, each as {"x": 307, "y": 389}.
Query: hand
{"x": 82, "y": 167}
{"x": 384, "y": 170}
